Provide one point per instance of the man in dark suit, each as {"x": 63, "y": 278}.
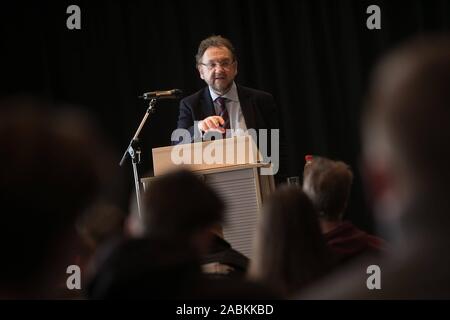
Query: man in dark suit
{"x": 225, "y": 109}
{"x": 223, "y": 104}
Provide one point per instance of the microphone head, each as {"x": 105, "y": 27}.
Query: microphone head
{"x": 177, "y": 93}
{"x": 168, "y": 94}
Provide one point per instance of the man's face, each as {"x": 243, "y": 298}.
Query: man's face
{"x": 218, "y": 69}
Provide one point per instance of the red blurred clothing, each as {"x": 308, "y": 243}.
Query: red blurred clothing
{"x": 348, "y": 242}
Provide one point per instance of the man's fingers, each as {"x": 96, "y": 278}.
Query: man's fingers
{"x": 218, "y": 120}
{"x": 211, "y": 123}
{"x": 214, "y": 121}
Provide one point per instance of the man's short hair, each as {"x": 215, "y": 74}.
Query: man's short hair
{"x": 214, "y": 41}
{"x": 328, "y": 184}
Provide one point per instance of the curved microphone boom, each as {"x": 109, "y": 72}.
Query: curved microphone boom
{"x": 166, "y": 94}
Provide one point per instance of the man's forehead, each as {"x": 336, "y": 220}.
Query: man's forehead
{"x": 217, "y": 52}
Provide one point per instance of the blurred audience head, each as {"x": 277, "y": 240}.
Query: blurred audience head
{"x": 328, "y": 184}
{"x": 290, "y": 251}
{"x": 406, "y": 129}
{"x": 179, "y": 205}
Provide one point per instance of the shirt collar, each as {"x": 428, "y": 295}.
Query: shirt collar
{"x": 230, "y": 95}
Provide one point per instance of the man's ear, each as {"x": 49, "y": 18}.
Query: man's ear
{"x": 217, "y": 230}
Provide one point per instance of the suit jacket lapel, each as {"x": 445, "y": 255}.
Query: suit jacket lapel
{"x": 247, "y": 107}
{"x": 207, "y": 104}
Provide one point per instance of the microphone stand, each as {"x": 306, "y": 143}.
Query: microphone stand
{"x": 135, "y": 153}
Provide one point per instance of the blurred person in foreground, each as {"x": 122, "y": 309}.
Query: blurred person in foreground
{"x": 290, "y": 251}
{"x": 162, "y": 258}
{"x": 406, "y": 130}
{"x": 54, "y": 165}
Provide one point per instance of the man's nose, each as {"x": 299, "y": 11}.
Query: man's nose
{"x": 219, "y": 67}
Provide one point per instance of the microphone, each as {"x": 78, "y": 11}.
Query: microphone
{"x": 167, "y": 94}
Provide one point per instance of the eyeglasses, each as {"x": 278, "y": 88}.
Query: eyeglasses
{"x": 226, "y": 64}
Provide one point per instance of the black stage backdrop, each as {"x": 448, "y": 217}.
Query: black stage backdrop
{"x": 313, "y": 56}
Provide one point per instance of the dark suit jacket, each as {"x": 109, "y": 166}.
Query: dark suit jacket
{"x": 258, "y": 108}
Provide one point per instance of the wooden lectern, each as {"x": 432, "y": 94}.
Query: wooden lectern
{"x": 231, "y": 168}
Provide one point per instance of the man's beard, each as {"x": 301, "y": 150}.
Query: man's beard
{"x": 222, "y": 88}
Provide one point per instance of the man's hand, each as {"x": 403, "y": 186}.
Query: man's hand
{"x": 213, "y": 123}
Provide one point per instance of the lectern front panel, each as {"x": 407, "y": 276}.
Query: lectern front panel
{"x": 240, "y": 191}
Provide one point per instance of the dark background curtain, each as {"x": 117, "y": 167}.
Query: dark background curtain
{"x": 313, "y": 56}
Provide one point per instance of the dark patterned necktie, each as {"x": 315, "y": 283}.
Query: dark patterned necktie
{"x": 223, "y": 112}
